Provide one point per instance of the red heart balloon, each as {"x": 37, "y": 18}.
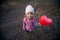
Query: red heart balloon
{"x": 49, "y": 21}
{"x": 44, "y": 21}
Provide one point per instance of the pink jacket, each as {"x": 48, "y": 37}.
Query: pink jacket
{"x": 28, "y": 24}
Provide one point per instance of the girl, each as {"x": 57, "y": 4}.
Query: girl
{"x": 29, "y": 21}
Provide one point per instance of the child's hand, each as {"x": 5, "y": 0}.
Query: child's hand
{"x": 39, "y": 24}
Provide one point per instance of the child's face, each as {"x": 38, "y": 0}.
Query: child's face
{"x": 29, "y": 15}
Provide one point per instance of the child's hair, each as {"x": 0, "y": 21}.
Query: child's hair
{"x": 24, "y": 15}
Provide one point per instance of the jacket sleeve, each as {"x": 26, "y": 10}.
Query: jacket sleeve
{"x": 35, "y": 22}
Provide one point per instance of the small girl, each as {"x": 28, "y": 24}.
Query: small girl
{"x": 29, "y": 21}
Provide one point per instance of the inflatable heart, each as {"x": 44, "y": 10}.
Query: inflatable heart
{"x": 49, "y": 21}
{"x": 44, "y": 20}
